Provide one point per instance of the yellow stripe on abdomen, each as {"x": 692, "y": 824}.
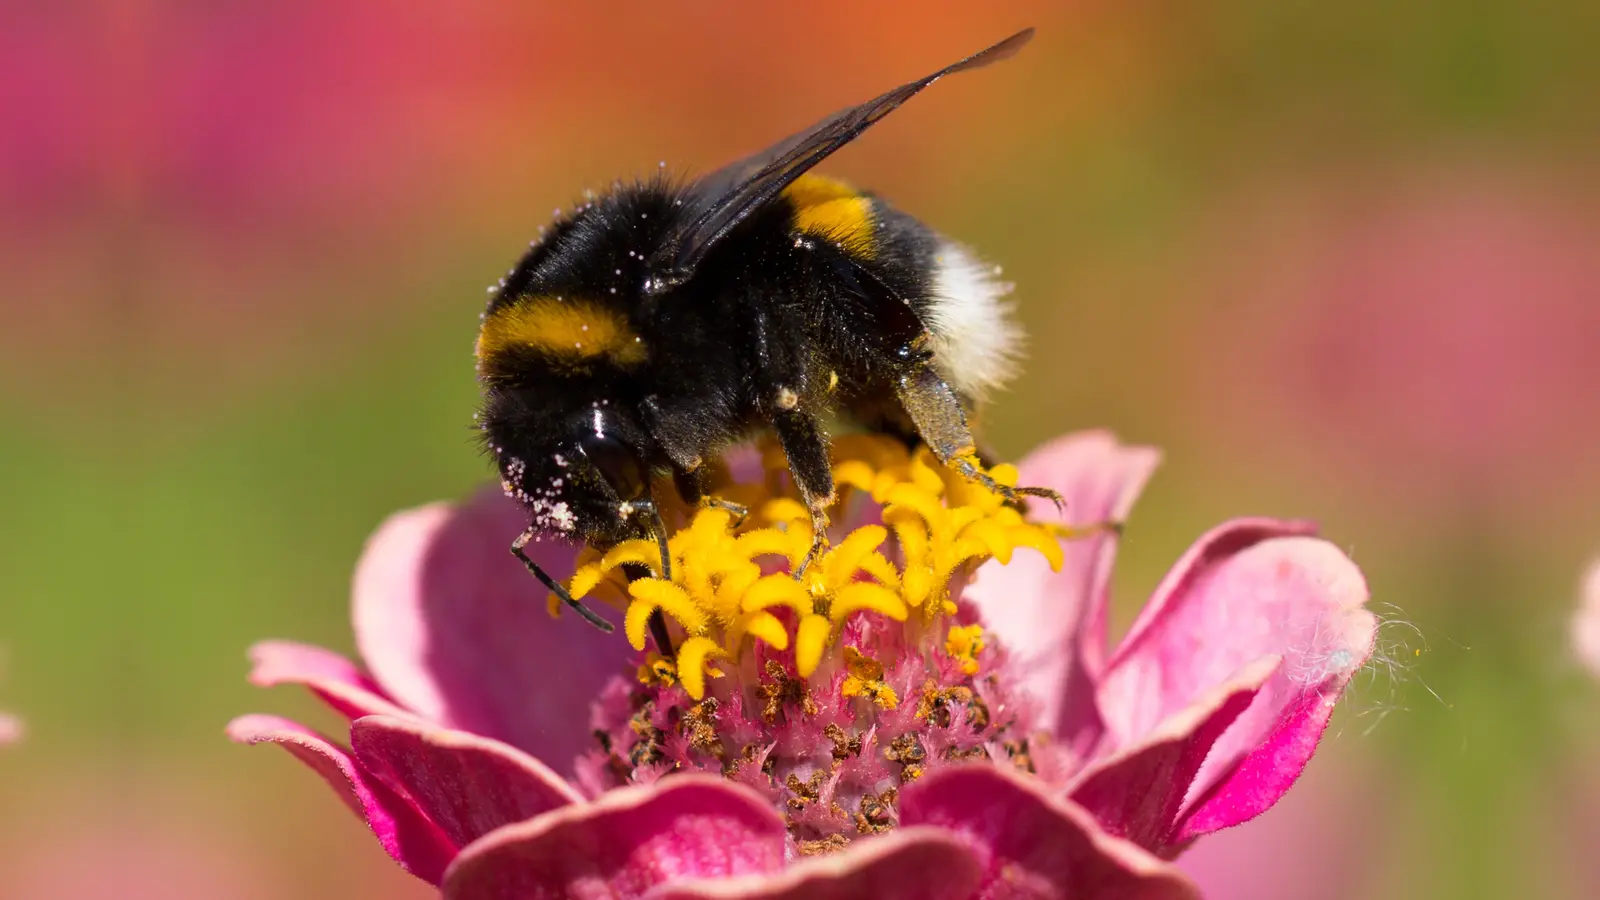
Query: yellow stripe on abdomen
{"x": 568, "y": 329}
{"x": 834, "y": 211}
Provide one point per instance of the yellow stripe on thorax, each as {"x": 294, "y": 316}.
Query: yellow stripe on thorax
{"x": 834, "y": 211}
{"x": 570, "y": 329}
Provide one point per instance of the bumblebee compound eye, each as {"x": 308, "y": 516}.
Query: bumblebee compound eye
{"x": 617, "y": 463}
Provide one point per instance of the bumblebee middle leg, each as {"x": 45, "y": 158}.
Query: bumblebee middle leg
{"x": 942, "y": 422}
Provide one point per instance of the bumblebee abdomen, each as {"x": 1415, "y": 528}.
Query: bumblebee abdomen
{"x": 958, "y": 298}
{"x": 830, "y": 210}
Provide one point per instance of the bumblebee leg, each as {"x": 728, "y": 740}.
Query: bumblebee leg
{"x": 691, "y": 485}
{"x": 807, "y": 449}
{"x": 517, "y": 550}
{"x": 658, "y": 529}
{"x": 942, "y": 422}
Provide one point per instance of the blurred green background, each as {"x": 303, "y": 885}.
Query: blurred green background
{"x": 1340, "y": 261}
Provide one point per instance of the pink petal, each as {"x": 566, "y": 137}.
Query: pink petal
{"x": 454, "y": 628}
{"x": 330, "y": 676}
{"x": 467, "y": 785}
{"x": 1586, "y": 623}
{"x": 624, "y": 844}
{"x": 414, "y": 842}
{"x": 908, "y": 864}
{"x": 1139, "y": 792}
{"x": 1032, "y": 844}
{"x": 1054, "y": 623}
{"x": 1249, "y": 590}
{"x": 10, "y": 729}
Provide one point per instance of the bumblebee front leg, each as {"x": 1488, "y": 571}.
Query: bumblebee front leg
{"x": 647, "y": 510}
{"x": 807, "y": 449}
{"x": 692, "y": 487}
{"x": 942, "y": 422}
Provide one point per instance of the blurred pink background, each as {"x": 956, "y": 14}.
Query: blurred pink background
{"x": 1339, "y": 261}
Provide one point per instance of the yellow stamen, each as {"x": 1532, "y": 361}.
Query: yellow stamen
{"x": 865, "y": 679}
{"x": 965, "y": 642}
{"x": 732, "y": 584}
{"x": 658, "y": 670}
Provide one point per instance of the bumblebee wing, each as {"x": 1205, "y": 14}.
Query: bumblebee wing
{"x": 722, "y": 199}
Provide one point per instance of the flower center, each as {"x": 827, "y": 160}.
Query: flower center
{"x": 829, "y": 691}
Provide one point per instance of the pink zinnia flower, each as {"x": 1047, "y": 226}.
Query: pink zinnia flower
{"x": 880, "y": 728}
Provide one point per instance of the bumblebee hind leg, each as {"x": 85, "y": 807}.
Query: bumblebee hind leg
{"x": 942, "y": 422}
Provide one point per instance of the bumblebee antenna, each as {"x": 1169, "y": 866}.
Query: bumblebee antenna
{"x": 589, "y": 615}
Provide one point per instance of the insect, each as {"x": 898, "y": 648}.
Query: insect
{"x": 659, "y": 323}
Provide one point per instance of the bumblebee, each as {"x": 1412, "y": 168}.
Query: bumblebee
{"x": 659, "y": 323}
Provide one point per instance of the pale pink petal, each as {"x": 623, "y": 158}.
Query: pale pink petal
{"x": 455, "y": 629}
{"x": 414, "y": 842}
{"x": 1138, "y": 792}
{"x": 908, "y": 864}
{"x": 1250, "y": 589}
{"x": 10, "y": 728}
{"x": 338, "y": 681}
{"x": 1034, "y": 845}
{"x": 624, "y": 844}
{"x": 1054, "y": 623}
{"x": 1586, "y": 623}
{"x": 467, "y": 785}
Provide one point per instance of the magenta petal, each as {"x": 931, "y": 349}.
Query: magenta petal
{"x": 414, "y": 842}
{"x": 1245, "y": 592}
{"x": 454, "y": 628}
{"x": 624, "y": 844}
{"x": 1265, "y": 774}
{"x": 1139, "y": 792}
{"x": 1034, "y": 845}
{"x": 468, "y": 785}
{"x": 336, "y": 680}
{"x": 1054, "y": 623}
{"x": 908, "y": 864}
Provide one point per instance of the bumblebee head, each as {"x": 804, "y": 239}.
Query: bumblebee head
{"x": 582, "y": 473}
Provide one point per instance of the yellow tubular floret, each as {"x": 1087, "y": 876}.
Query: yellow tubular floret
{"x": 811, "y": 640}
{"x": 651, "y": 594}
{"x": 731, "y": 584}
{"x": 693, "y": 664}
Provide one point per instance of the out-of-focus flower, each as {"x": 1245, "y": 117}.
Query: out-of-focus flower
{"x": 877, "y": 727}
{"x": 1428, "y": 335}
{"x": 1586, "y": 621}
{"x": 10, "y": 728}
